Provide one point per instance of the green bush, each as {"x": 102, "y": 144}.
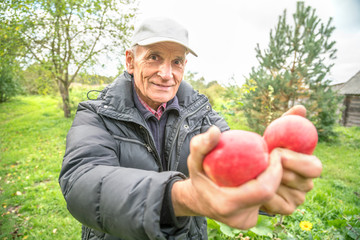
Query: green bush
{"x": 38, "y": 80}
{"x": 9, "y": 85}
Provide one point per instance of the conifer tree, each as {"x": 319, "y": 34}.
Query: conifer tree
{"x": 294, "y": 69}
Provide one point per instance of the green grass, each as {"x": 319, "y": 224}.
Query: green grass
{"x": 32, "y": 133}
{"x": 342, "y": 158}
{"x": 32, "y": 138}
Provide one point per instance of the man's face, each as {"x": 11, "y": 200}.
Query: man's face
{"x": 158, "y": 70}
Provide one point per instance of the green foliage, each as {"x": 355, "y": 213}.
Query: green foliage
{"x": 196, "y": 83}
{"x": 293, "y": 69}
{"x": 80, "y": 92}
{"x": 37, "y": 79}
{"x": 87, "y": 79}
{"x": 212, "y": 90}
{"x": 218, "y": 230}
{"x": 233, "y": 99}
{"x": 9, "y": 65}
{"x": 68, "y": 36}
{"x": 225, "y": 100}
{"x": 9, "y": 86}
{"x": 322, "y": 108}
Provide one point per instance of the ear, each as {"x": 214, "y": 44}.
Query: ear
{"x": 129, "y": 58}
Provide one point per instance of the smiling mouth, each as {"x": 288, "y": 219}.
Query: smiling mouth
{"x": 162, "y": 86}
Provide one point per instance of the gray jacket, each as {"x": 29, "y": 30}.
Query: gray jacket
{"x": 112, "y": 177}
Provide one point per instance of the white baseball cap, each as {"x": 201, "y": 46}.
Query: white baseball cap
{"x": 161, "y": 29}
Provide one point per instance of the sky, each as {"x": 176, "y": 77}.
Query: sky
{"x": 225, "y": 33}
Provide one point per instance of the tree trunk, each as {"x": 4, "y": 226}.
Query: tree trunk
{"x": 64, "y": 92}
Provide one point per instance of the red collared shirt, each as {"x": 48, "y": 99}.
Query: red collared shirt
{"x": 158, "y": 113}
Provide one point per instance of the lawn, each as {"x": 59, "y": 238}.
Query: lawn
{"x": 32, "y": 138}
{"x": 32, "y": 133}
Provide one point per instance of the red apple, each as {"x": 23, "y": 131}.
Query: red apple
{"x": 238, "y": 157}
{"x": 292, "y": 132}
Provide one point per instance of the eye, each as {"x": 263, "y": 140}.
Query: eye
{"x": 178, "y": 61}
{"x": 154, "y": 57}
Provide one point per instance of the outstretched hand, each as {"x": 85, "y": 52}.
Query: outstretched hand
{"x": 299, "y": 170}
{"x": 278, "y": 190}
{"x": 236, "y": 206}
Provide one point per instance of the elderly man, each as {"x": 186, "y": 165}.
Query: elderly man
{"x": 133, "y": 162}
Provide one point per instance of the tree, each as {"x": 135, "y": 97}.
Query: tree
{"x": 9, "y": 64}
{"x": 233, "y": 96}
{"x": 294, "y": 69}
{"x": 67, "y": 36}
{"x": 197, "y": 83}
{"x": 93, "y": 79}
{"x": 213, "y": 90}
{"x": 9, "y": 86}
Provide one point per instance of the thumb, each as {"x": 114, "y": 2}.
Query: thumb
{"x": 296, "y": 110}
{"x": 200, "y": 145}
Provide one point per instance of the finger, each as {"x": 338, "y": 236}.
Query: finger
{"x": 201, "y": 145}
{"x": 305, "y": 165}
{"x": 295, "y": 181}
{"x": 285, "y": 201}
{"x": 244, "y": 219}
{"x": 296, "y": 110}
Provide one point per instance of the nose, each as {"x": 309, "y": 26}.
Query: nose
{"x": 165, "y": 71}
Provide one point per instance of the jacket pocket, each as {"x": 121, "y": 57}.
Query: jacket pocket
{"x": 135, "y": 141}
{"x": 134, "y": 153}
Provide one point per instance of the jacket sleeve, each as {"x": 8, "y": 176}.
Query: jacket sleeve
{"x": 213, "y": 118}
{"x": 123, "y": 202}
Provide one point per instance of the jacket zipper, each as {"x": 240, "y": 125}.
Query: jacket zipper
{"x": 153, "y": 151}
{"x": 178, "y": 130}
{"x": 148, "y": 147}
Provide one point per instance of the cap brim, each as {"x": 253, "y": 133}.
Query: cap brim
{"x": 153, "y": 40}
